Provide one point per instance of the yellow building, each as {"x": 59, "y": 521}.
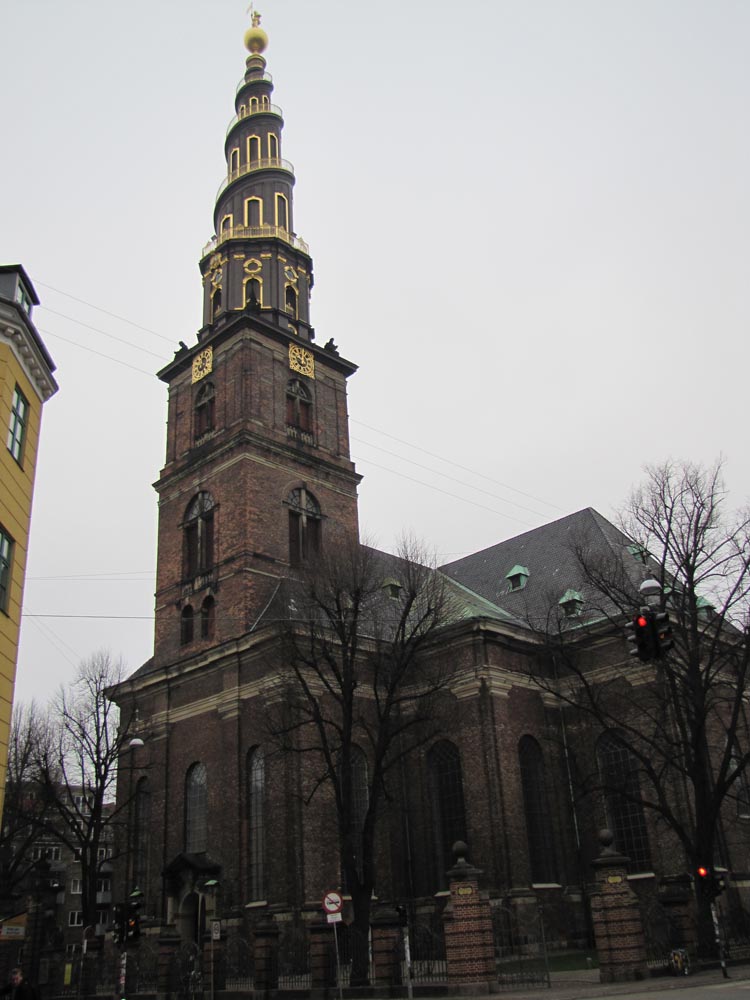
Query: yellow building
{"x": 26, "y": 383}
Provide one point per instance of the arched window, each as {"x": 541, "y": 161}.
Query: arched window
{"x": 291, "y": 301}
{"x": 298, "y": 406}
{"x": 273, "y": 146}
{"x": 282, "y": 212}
{"x": 196, "y": 809}
{"x": 186, "y": 625}
{"x": 198, "y": 532}
{"x": 253, "y": 292}
{"x": 141, "y": 829}
{"x": 253, "y": 148}
{"x": 234, "y": 162}
{"x": 254, "y": 212}
{"x": 537, "y": 811}
{"x": 618, "y": 771}
{"x": 215, "y": 302}
{"x": 256, "y": 784}
{"x": 208, "y": 617}
{"x": 304, "y": 526}
{"x": 204, "y": 409}
{"x": 447, "y": 797}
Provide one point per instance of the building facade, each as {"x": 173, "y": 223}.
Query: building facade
{"x": 26, "y": 383}
{"x": 258, "y": 480}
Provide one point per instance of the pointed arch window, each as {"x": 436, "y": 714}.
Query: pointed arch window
{"x": 618, "y": 771}
{"x": 196, "y": 809}
{"x": 256, "y": 785}
{"x": 198, "y": 530}
{"x": 447, "y": 797}
{"x": 141, "y": 829}
{"x": 208, "y": 618}
{"x": 299, "y": 406}
{"x": 304, "y": 526}
{"x": 204, "y": 409}
{"x": 186, "y": 625}
{"x": 537, "y": 811}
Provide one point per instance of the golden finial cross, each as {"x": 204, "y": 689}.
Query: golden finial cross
{"x": 254, "y": 15}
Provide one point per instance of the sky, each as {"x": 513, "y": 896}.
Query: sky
{"x": 530, "y": 226}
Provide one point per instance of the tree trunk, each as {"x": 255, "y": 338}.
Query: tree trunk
{"x": 359, "y": 936}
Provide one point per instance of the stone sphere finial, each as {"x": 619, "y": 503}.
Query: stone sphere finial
{"x": 606, "y": 838}
{"x": 459, "y": 851}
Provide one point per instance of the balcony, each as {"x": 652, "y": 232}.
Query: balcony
{"x": 270, "y": 109}
{"x": 254, "y": 78}
{"x": 267, "y": 163}
{"x": 255, "y": 232}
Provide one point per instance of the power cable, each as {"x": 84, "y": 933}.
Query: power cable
{"x": 111, "y": 336}
{"x": 106, "y": 312}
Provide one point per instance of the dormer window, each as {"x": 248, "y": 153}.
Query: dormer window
{"x": 571, "y": 603}
{"x": 392, "y": 588}
{"x": 23, "y": 299}
{"x": 517, "y": 578}
{"x": 705, "y": 609}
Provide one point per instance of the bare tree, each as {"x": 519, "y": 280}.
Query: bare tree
{"x": 78, "y": 770}
{"x": 680, "y": 719}
{"x": 361, "y": 691}
{"x": 25, "y": 808}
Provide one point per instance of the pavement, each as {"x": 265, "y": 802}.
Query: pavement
{"x": 585, "y": 983}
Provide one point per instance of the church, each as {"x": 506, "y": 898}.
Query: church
{"x": 258, "y": 481}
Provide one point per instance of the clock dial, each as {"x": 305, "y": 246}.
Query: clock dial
{"x": 202, "y": 364}
{"x": 301, "y": 361}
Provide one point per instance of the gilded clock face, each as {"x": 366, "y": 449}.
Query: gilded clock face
{"x": 202, "y": 364}
{"x": 301, "y": 361}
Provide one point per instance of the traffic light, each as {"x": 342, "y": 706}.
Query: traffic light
{"x": 712, "y": 883}
{"x": 133, "y": 923}
{"x": 118, "y": 923}
{"x": 641, "y": 636}
{"x": 662, "y": 633}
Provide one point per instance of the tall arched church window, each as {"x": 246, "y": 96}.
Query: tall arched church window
{"x": 253, "y": 212}
{"x": 253, "y": 148}
{"x": 618, "y": 771}
{"x": 447, "y": 798}
{"x": 273, "y": 146}
{"x": 204, "y": 409}
{"x": 291, "y": 301}
{"x": 141, "y": 829}
{"x": 198, "y": 532}
{"x": 215, "y": 301}
{"x": 196, "y": 809}
{"x": 253, "y": 104}
{"x": 208, "y": 618}
{"x": 298, "y": 406}
{"x": 282, "y": 212}
{"x": 304, "y": 526}
{"x": 256, "y": 784}
{"x": 186, "y": 625}
{"x": 537, "y": 811}
{"x": 234, "y": 161}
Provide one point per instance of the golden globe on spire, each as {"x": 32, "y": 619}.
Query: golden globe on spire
{"x": 256, "y": 39}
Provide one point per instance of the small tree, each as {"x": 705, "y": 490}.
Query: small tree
{"x": 360, "y": 693}
{"x": 682, "y": 722}
{"x": 77, "y": 768}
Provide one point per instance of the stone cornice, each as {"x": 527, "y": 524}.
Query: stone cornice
{"x": 27, "y": 347}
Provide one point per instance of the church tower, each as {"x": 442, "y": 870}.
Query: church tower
{"x": 258, "y": 476}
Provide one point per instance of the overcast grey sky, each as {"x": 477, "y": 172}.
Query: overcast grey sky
{"x": 530, "y": 224}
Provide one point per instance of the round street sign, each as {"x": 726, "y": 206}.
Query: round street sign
{"x": 332, "y": 902}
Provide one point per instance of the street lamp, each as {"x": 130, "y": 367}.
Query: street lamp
{"x": 650, "y": 591}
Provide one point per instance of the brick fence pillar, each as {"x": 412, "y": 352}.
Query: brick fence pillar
{"x": 322, "y": 960}
{"x": 469, "y": 946}
{"x": 677, "y": 897}
{"x": 386, "y": 947}
{"x": 169, "y": 944}
{"x": 266, "y": 955}
{"x": 616, "y": 914}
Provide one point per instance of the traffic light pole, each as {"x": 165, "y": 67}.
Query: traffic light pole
{"x": 719, "y": 941}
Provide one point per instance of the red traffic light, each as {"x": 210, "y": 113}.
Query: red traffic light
{"x": 641, "y": 621}
{"x": 702, "y": 871}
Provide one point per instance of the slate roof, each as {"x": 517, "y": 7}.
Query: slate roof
{"x": 548, "y": 553}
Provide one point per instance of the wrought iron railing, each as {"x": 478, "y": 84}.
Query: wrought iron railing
{"x": 263, "y": 232}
